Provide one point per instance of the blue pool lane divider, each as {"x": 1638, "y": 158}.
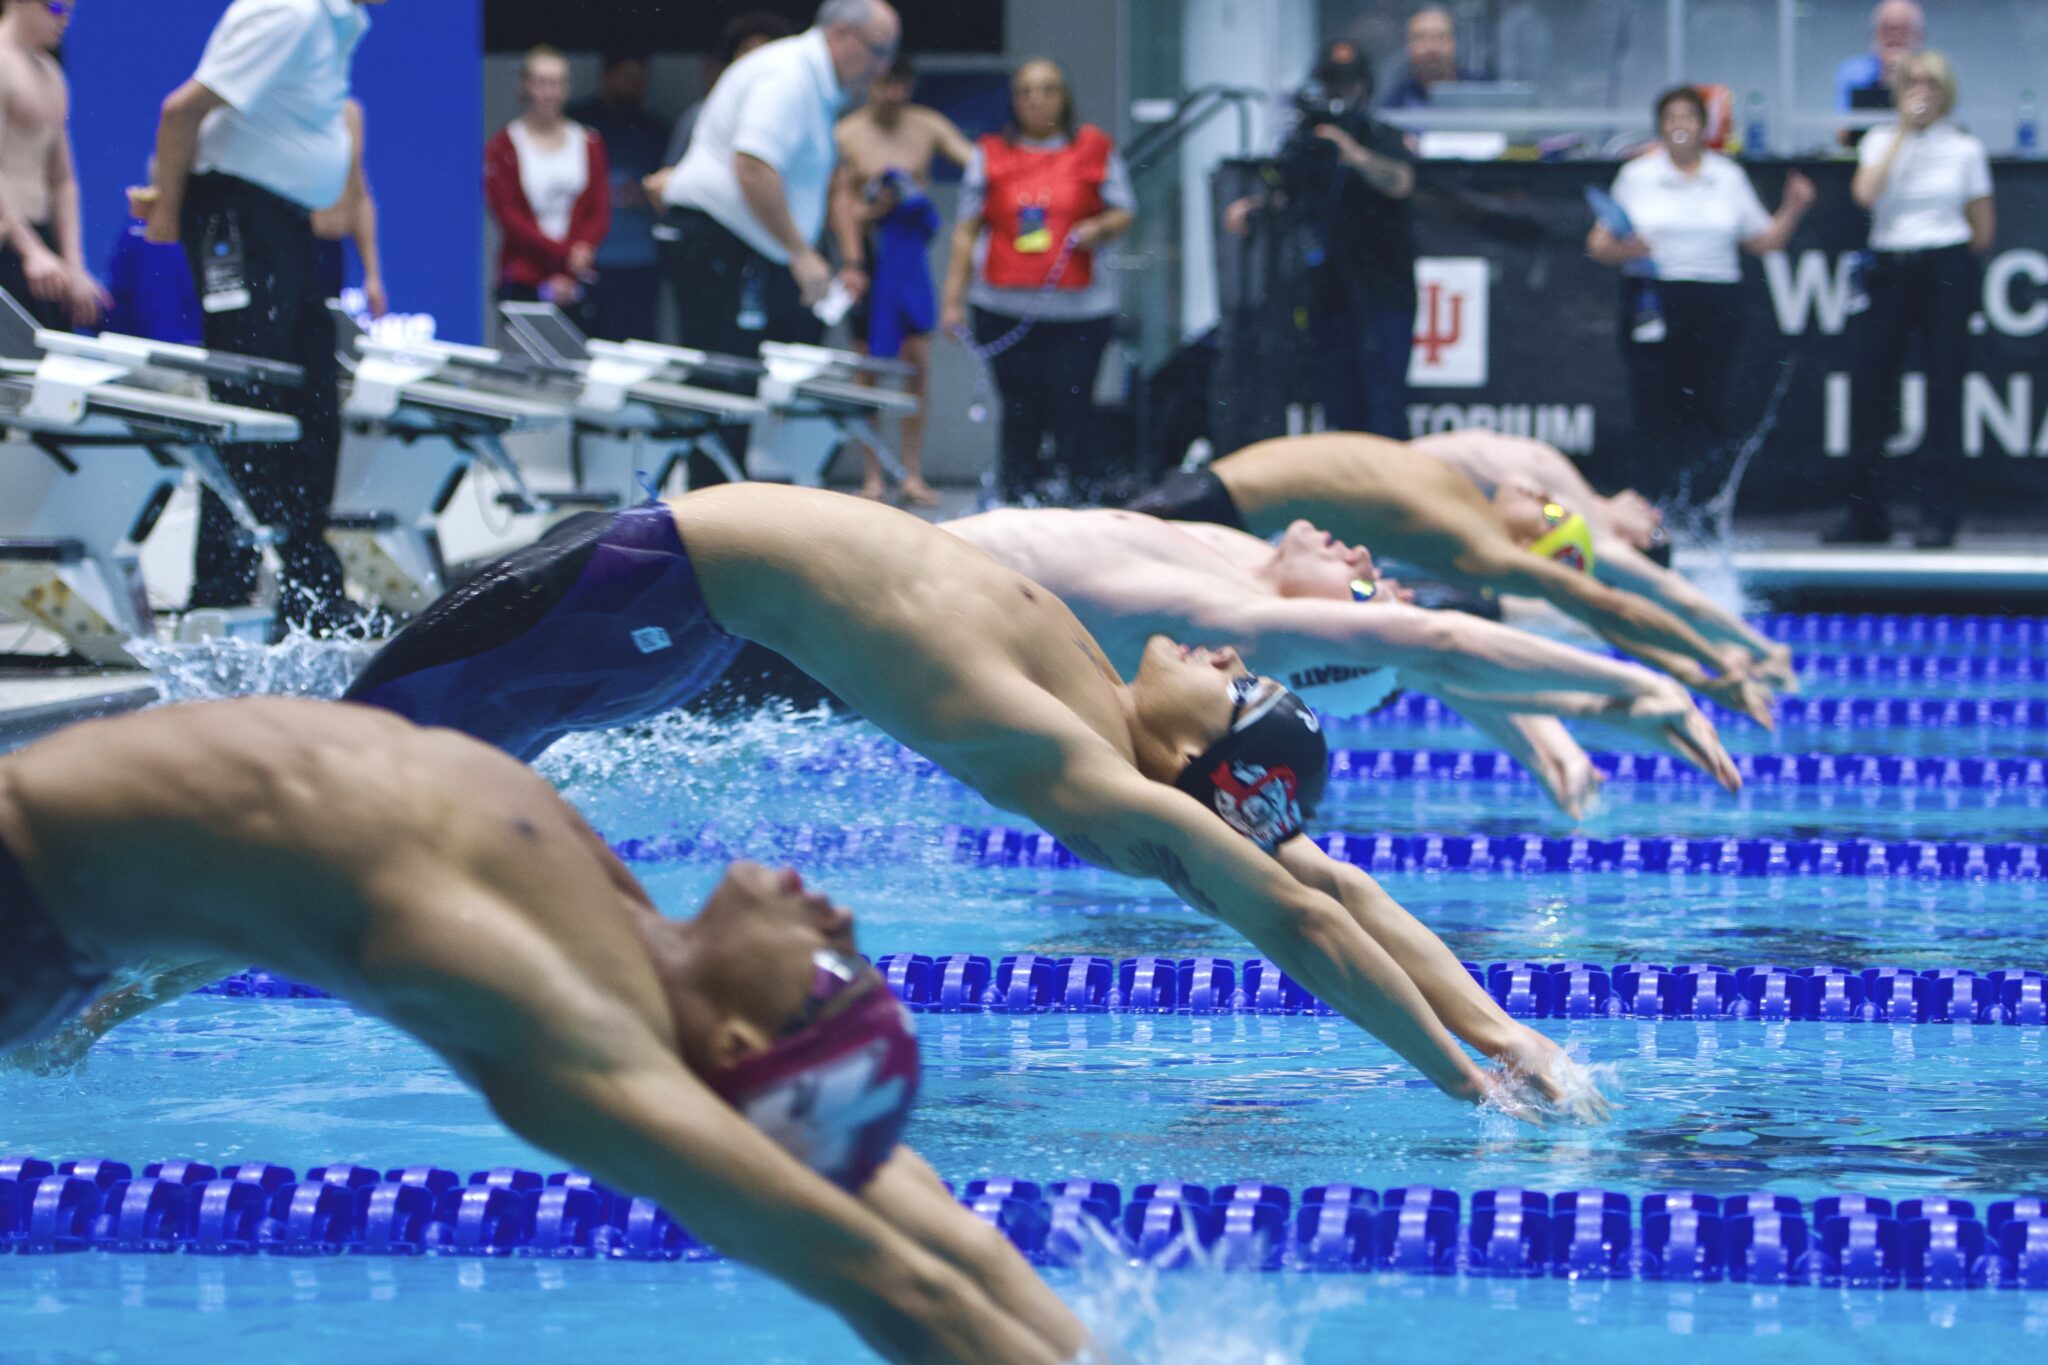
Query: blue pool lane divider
{"x": 824, "y": 845}
{"x": 1837, "y": 772}
{"x": 1026, "y": 983}
{"x": 1849, "y": 1240}
{"x": 1918, "y": 632}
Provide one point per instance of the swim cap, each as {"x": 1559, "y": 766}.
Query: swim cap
{"x": 1569, "y": 540}
{"x": 1265, "y": 776}
{"x": 836, "y": 1093}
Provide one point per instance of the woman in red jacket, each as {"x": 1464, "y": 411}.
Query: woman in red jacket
{"x": 548, "y": 183}
{"x": 1039, "y": 201}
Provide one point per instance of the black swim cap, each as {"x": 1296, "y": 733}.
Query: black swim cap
{"x": 1265, "y": 777}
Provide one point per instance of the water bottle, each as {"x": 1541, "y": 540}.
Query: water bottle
{"x": 2026, "y": 141}
{"x": 753, "y": 314}
{"x": 1755, "y": 140}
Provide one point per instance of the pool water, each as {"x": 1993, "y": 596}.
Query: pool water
{"x": 1720, "y": 1106}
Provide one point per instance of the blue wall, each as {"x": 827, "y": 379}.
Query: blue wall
{"x": 419, "y": 74}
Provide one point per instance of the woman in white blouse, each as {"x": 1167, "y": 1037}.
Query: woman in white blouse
{"x": 1689, "y": 212}
{"x": 1927, "y": 184}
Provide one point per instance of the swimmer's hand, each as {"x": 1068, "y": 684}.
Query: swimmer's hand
{"x": 1664, "y": 715}
{"x": 1738, "y": 690}
{"x": 1774, "y": 668}
{"x": 61, "y": 1052}
{"x": 1542, "y": 1077}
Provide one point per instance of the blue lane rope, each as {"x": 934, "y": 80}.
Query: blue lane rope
{"x": 1030, "y": 983}
{"x": 1835, "y": 771}
{"x": 1849, "y": 1240}
{"x": 1483, "y": 765}
{"x": 1796, "y": 628}
{"x": 826, "y": 845}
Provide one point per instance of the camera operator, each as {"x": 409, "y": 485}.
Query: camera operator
{"x": 1343, "y": 184}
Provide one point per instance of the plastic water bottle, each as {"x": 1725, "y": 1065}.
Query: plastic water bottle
{"x": 2026, "y": 141}
{"x": 1755, "y": 133}
{"x": 753, "y": 314}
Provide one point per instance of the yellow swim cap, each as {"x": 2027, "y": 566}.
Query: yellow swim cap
{"x": 1568, "y": 541}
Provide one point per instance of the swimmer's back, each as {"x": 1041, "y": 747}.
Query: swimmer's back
{"x": 920, "y": 632}
{"x": 290, "y": 829}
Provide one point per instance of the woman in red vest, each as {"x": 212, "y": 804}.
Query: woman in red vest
{"x": 1039, "y": 200}
{"x": 547, "y": 181}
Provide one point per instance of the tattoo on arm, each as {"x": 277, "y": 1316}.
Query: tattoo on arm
{"x": 1155, "y": 860}
{"x": 1088, "y": 849}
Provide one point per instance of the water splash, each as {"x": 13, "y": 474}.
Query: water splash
{"x": 297, "y": 666}
{"x": 1186, "y": 1308}
{"x": 1710, "y": 524}
{"x": 1585, "y": 1094}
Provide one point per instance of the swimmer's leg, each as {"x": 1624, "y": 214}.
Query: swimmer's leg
{"x": 67, "y": 1046}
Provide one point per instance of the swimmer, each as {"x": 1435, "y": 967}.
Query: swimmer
{"x": 1314, "y": 613}
{"x": 1197, "y": 774}
{"x": 1624, "y": 527}
{"x": 437, "y": 884}
{"x": 1413, "y": 508}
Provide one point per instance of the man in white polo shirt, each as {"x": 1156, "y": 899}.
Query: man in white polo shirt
{"x": 748, "y": 202}
{"x": 247, "y": 151}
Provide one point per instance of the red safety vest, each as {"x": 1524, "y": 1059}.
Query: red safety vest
{"x": 1034, "y": 200}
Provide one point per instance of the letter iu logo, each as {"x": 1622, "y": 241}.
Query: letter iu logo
{"x": 1438, "y": 331}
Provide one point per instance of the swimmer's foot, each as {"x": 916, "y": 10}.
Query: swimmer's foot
{"x": 915, "y": 492}
{"x": 874, "y": 490}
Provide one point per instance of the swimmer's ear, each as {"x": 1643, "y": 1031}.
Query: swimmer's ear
{"x": 733, "y": 1041}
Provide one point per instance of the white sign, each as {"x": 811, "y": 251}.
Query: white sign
{"x": 1450, "y": 323}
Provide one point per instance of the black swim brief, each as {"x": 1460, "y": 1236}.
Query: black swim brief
{"x": 44, "y": 981}
{"x": 599, "y": 624}
{"x": 1190, "y": 495}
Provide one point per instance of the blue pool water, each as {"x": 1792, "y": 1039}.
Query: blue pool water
{"x": 1719, "y": 1106}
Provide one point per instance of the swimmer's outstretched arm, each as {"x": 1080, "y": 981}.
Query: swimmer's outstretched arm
{"x": 1543, "y": 746}
{"x": 1623, "y": 566}
{"x": 1457, "y": 999}
{"x": 908, "y": 1194}
{"x": 1465, "y": 659}
{"x": 1633, "y": 624}
{"x": 627, "y": 1111}
{"x": 1105, "y": 810}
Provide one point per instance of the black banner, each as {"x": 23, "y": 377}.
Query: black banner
{"x": 649, "y": 26}
{"x": 1519, "y": 332}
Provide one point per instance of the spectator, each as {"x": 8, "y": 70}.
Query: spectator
{"x": 1898, "y": 29}
{"x": 1039, "y": 200}
{"x": 1690, "y": 209}
{"x": 42, "y": 250}
{"x": 744, "y": 33}
{"x": 628, "y": 271}
{"x": 1432, "y": 59}
{"x": 1346, "y": 180}
{"x": 1927, "y": 185}
{"x": 246, "y": 152}
{"x": 354, "y": 215}
{"x": 886, "y": 223}
{"x": 748, "y": 203}
{"x": 547, "y": 182}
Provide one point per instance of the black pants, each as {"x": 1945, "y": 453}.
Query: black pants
{"x": 1678, "y": 386}
{"x": 1928, "y": 294}
{"x": 1047, "y": 383}
{"x": 729, "y": 299}
{"x": 14, "y": 279}
{"x": 623, "y": 302}
{"x": 1361, "y": 362}
{"x": 288, "y": 487}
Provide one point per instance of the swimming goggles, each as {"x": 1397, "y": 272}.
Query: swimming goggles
{"x": 1364, "y": 589}
{"x": 1568, "y": 541}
